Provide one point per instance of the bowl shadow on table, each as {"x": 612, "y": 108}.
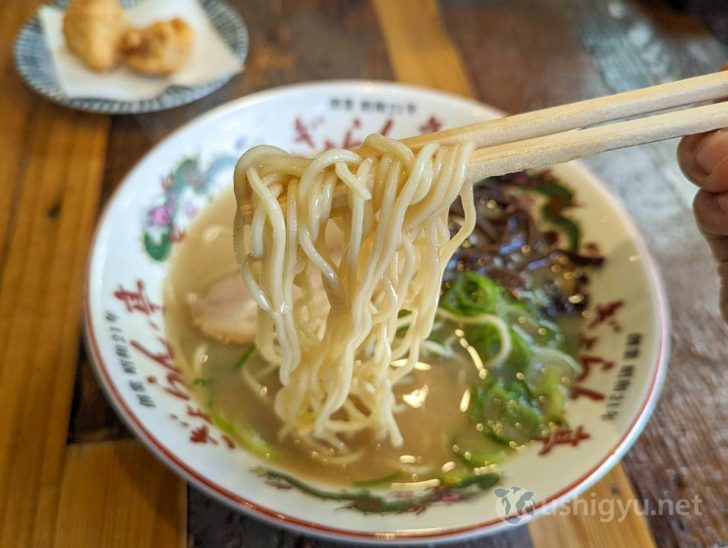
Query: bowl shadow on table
{"x": 92, "y": 418}
{"x": 211, "y": 523}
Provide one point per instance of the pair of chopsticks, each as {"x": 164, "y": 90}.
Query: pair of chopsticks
{"x": 559, "y": 134}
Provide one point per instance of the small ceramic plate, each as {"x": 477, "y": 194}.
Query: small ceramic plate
{"x": 625, "y": 351}
{"x": 34, "y": 63}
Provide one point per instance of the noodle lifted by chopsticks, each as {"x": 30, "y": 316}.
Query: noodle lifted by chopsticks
{"x": 335, "y": 354}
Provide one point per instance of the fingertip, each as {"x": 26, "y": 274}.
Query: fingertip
{"x": 690, "y": 169}
{"x": 703, "y": 158}
{"x": 700, "y": 205}
{"x": 717, "y": 180}
{"x": 711, "y": 212}
{"x": 690, "y": 143}
{"x": 686, "y": 157}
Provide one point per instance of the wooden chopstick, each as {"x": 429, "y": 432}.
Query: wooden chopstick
{"x": 560, "y": 134}
{"x": 565, "y": 146}
{"x": 581, "y": 114}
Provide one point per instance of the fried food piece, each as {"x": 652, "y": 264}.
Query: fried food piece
{"x": 159, "y": 49}
{"x": 94, "y": 30}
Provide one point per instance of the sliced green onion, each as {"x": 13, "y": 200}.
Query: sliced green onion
{"x": 485, "y": 319}
{"x": 244, "y": 435}
{"x": 201, "y": 381}
{"x": 389, "y": 478}
{"x": 478, "y": 459}
{"x": 472, "y": 294}
{"x": 245, "y": 357}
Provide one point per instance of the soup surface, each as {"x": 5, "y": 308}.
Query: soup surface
{"x": 453, "y": 413}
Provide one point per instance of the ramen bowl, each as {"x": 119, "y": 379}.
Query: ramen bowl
{"x": 625, "y": 328}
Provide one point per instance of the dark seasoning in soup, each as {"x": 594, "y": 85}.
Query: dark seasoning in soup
{"x": 495, "y": 373}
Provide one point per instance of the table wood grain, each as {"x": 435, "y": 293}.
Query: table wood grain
{"x": 70, "y": 473}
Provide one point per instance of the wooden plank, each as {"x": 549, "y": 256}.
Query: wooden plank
{"x": 421, "y": 51}
{"x": 119, "y": 494}
{"x": 521, "y": 55}
{"x": 40, "y": 295}
{"x": 49, "y": 179}
{"x": 15, "y": 113}
{"x": 50, "y": 175}
{"x": 606, "y": 515}
{"x": 592, "y": 48}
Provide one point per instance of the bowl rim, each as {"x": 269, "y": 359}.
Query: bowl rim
{"x": 278, "y": 519}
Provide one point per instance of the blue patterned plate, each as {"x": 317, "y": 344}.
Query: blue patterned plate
{"x": 35, "y": 65}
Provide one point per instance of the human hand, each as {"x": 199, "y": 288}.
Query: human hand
{"x": 704, "y": 160}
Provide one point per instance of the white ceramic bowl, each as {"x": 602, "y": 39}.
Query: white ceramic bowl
{"x": 125, "y": 334}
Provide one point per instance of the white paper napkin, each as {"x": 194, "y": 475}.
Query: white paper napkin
{"x": 211, "y": 57}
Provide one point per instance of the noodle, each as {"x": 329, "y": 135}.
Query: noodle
{"x": 335, "y": 358}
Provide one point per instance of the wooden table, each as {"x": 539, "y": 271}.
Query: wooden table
{"x": 70, "y": 473}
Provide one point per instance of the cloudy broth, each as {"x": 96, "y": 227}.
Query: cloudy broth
{"x": 431, "y": 398}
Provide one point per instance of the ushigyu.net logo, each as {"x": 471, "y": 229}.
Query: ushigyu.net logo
{"x": 516, "y": 504}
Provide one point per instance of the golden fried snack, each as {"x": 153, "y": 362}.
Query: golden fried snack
{"x": 94, "y": 30}
{"x": 159, "y": 49}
